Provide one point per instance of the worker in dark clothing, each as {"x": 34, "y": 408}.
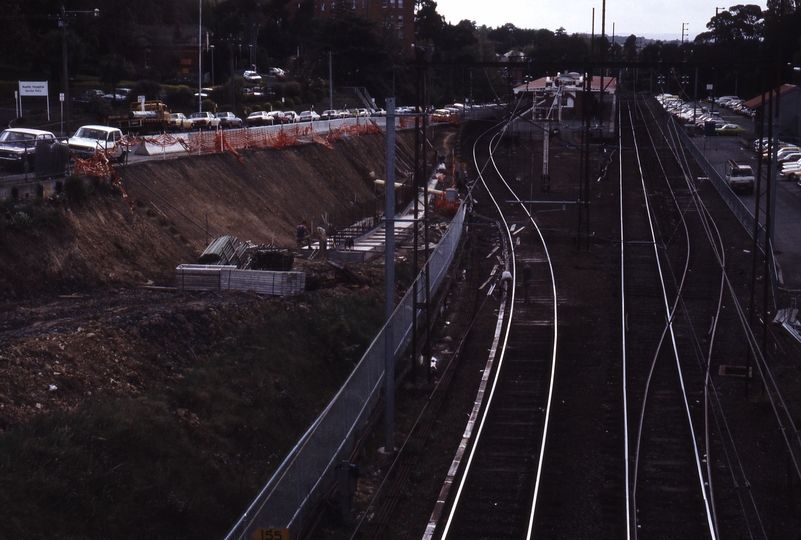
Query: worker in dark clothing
{"x": 302, "y": 236}
{"x": 528, "y": 277}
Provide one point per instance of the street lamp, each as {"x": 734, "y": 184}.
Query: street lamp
{"x": 65, "y": 80}
{"x": 683, "y": 25}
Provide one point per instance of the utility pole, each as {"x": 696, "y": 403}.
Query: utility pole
{"x": 331, "y": 82}
{"x": 231, "y": 42}
{"x": 65, "y": 80}
{"x": 389, "y": 283}
{"x": 200, "y": 56}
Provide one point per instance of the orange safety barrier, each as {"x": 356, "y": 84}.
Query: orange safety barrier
{"x": 212, "y": 142}
{"x": 99, "y": 166}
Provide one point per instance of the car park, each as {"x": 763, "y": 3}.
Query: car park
{"x": 260, "y": 118}
{"x": 87, "y": 140}
{"x": 18, "y": 146}
{"x": 229, "y": 120}
{"x": 308, "y": 116}
{"x": 204, "y": 120}
{"x": 179, "y": 122}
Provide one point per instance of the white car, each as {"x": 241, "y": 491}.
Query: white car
{"x": 330, "y": 114}
{"x": 204, "y": 120}
{"x": 18, "y": 146}
{"x": 89, "y": 139}
{"x": 291, "y": 116}
{"x": 260, "y": 118}
{"x": 252, "y": 76}
{"x": 308, "y": 116}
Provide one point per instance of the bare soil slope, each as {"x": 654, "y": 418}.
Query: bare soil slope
{"x": 178, "y": 205}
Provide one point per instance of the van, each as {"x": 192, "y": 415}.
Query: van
{"x": 739, "y": 177}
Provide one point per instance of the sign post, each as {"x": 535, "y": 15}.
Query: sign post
{"x": 36, "y": 89}
{"x": 61, "y": 101}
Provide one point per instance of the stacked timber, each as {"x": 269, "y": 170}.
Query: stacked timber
{"x": 224, "y": 250}
{"x": 197, "y": 277}
{"x": 200, "y": 277}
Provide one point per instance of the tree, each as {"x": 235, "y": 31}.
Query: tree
{"x": 630, "y": 48}
{"x": 113, "y": 69}
{"x": 428, "y": 24}
{"x": 740, "y": 22}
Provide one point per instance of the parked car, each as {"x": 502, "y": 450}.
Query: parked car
{"x": 84, "y": 97}
{"x": 179, "y": 122}
{"x": 789, "y": 157}
{"x": 308, "y": 116}
{"x": 330, "y": 114}
{"x": 252, "y": 76}
{"x": 204, "y": 120}
{"x": 87, "y": 140}
{"x": 292, "y": 116}
{"x": 18, "y": 147}
{"x": 278, "y": 117}
{"x": 229, "y": 120}
{"x": 120, "y": 95}
{"x": 277, "y": 72}
{"x": 729, "y": 129}
{"x": 260, "y": 118}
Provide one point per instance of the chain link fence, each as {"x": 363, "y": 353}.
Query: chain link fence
{"x": 309, "y": 468}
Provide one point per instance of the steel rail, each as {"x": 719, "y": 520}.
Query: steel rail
{"x": 623, "y": 335}
{"x": 500, "y": 351}
{"x": 499, "y": 348}
{"x": 549, "y": 401}
{"x": 670, "y": 312}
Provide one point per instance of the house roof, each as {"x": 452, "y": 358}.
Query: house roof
{"x": 757, "y": 101}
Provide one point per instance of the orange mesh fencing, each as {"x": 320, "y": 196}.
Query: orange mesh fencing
{"x": 99, "y": 166}
{"x": 214, "y": 142}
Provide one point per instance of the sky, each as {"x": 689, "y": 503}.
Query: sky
{"x": 643, "y": 18}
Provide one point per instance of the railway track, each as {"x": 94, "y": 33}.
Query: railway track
{"x": 630, "y": 431}
{"x": 494, "y": 496}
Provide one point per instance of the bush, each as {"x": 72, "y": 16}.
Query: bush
{"x": 180, "y": 97}
{"x": 75, "y": 188}
{"x": 208, "y": 105}
{"x": 150, "y": 89}
{"x": 99, "y": 107}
